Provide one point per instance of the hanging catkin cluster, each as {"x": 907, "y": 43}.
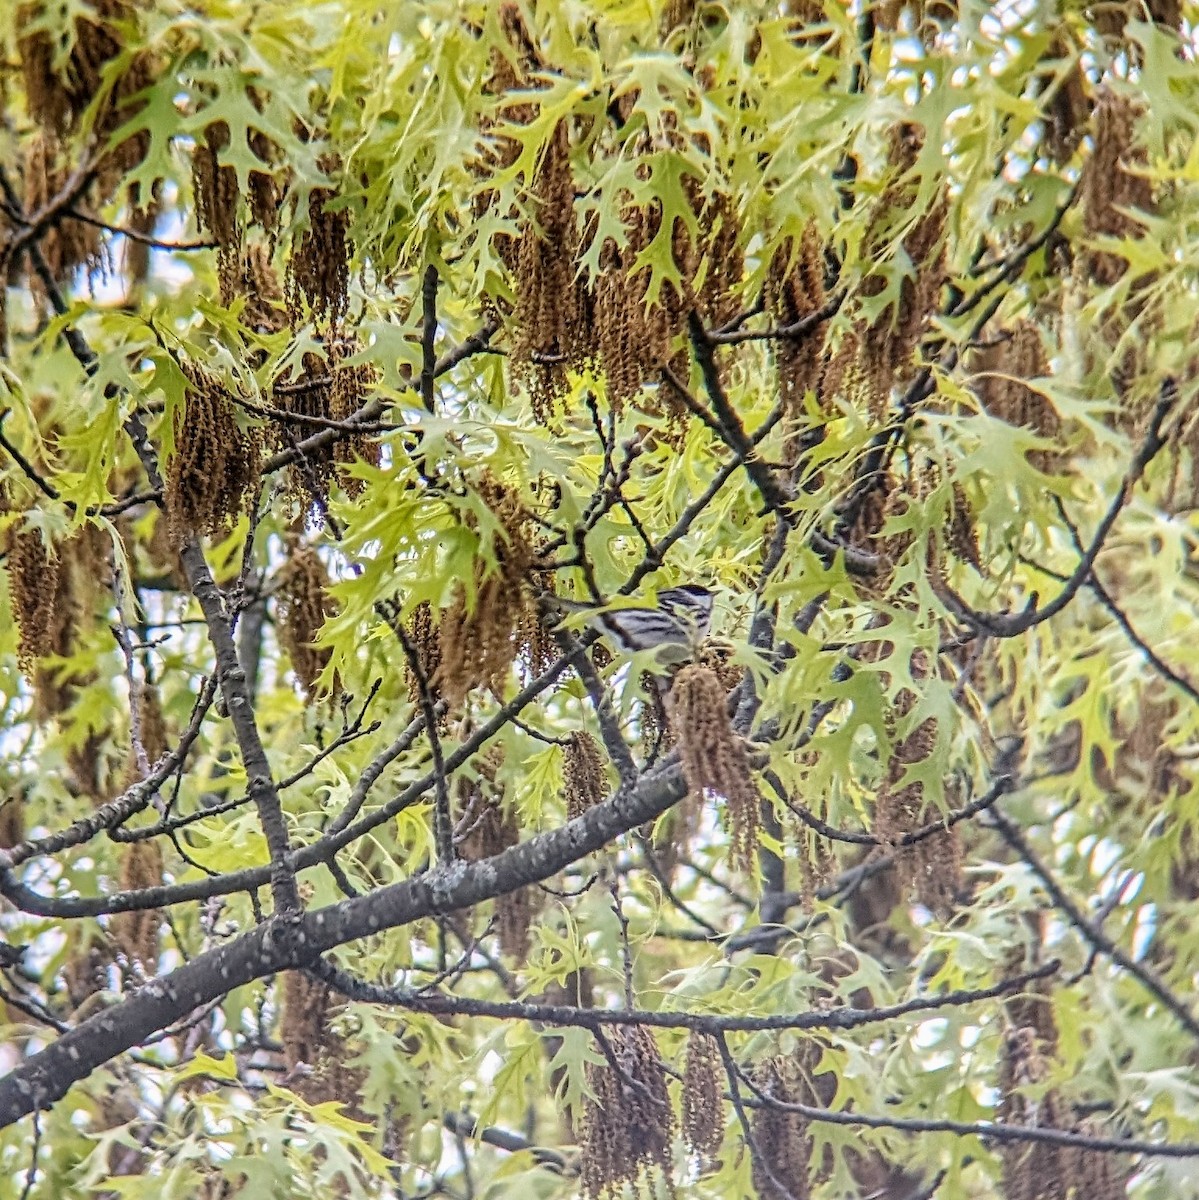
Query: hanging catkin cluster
{"x": 1003, "y": 367}
{"x": 635, "y": 337}
{"x": 217, "y": 214}
{"x": 486, "y": 827}
{"x": 711, "y": 261}
{"x": 479, "y": 640}
{"x": 59, "y": 89}
{"x": 714, "y": 757}
{"x": 136, "y": 932}
{"x": 513, "y": 68}
{"x": 563, "y": 319}
{"x": 243, "y": 268}
{"x": 888, "y": 342}
{"x": 67, "y": 244}
{"x": 422, "y": 633}
{"x": 212, "y": 476}
{"x": 330, "y": 388}
{"x": 781, "y": 1168}
{"x": 1031, "y": 1170}
{"x": 1068, "y": 109}
{"x": 319, "y": 267}
{"x": 52, "y": 591}
{"x": 552, "y": 309}
{"x": 583, "y": 774}
{"x": 266, "y": 190}
{"x": 314, "y": 1053}
{"x": 703, "y": 1098}
{"x": 626, "y": 1130}
{"x": 933, "y": 865}
{"x": 304, "y": 1012}
{"x": 1041, "y": 1170}
{"x": 1112, "y": 16}
{"x": 1113, "y": 181}
{"x": 40, "y": 600}
{"x": 795, "y": 291}
{"x": 58, "y": 92}
{"x": 304, "y": 605}
{"x": 264, "y": 312}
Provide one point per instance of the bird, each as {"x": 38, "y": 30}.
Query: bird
{"x": 673, "y": 627}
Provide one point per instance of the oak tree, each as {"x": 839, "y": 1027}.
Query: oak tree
{"x": 344, "y": 345}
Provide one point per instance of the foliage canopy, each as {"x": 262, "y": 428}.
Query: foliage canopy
{"x": 342, "y": 341}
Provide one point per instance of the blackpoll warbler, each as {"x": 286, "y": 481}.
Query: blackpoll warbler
{"x": 674, "y": 627}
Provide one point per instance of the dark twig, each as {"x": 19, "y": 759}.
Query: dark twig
{"x": 793, "y": 332}
{"x": 443, "y": 817}
{"x": 428, "y": 368}
{"x": 988, "y": 1130}
{"x": 31, "y": 1173}
{"x": 27, "y": 468}
{"x": 841, "y": 1018}
{"x": 760, "y": 1159}
{"x": 1006, "y": 625}
{"x": 1093, "y": 934}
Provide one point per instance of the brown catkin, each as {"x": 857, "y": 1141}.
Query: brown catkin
{"x": 1113, "y": 180}
{"x": 656, "y": 733}
{"x": 1003, "y": 369}
{"x": 721, "y": 263}
{"x": 889, "y": 341}
{"x": 422, "y": 633}
{"x": 1031, "y": 1170}
{"x": 85, "y": 971}
{"x": 329, "y": 388}
{"x": 155, "y": 739}
{"x": 933, "y": 865}
{"x": 552, "y": 314}
{"x": 478, "y": 634}
{"x": 714, "y": 756}
{"x": 303, "y": 1018}
{"x": 487, "y": 827}
{"x": 264, "y": 312}
{"x": 266, "y": 191}
{"x": 332, "y": 1081}
{"x": 60, "y": 88}
{"x": 636, "y": 337}
{"x": 51, "y": 101}
{"x": 626, "y": 1130}
{"x": 962, "y": 536}
{"x": 1068, "y": 109}
{"x": 703, "y": 1098}
{"x": 216, "y": 197}
{"x": 52, "y": 592}
{"x": 583, "y": 774}
{"x": 36, "y": 575}
{"x": 136, "y": 932}
{"x": 12, "y": 822}
{"x": 781, "y": 1167}
{"x": 795, "y": 291}
{"x": 304, "y": 605}
{"x": 314, "y": 1053}
{"x": 214, "y": 471}
{"x": 142, "y": 218}
{"x": 66, "y": 244}
{"x": 675, "y": 14}
{"x": 319, "y": 267}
